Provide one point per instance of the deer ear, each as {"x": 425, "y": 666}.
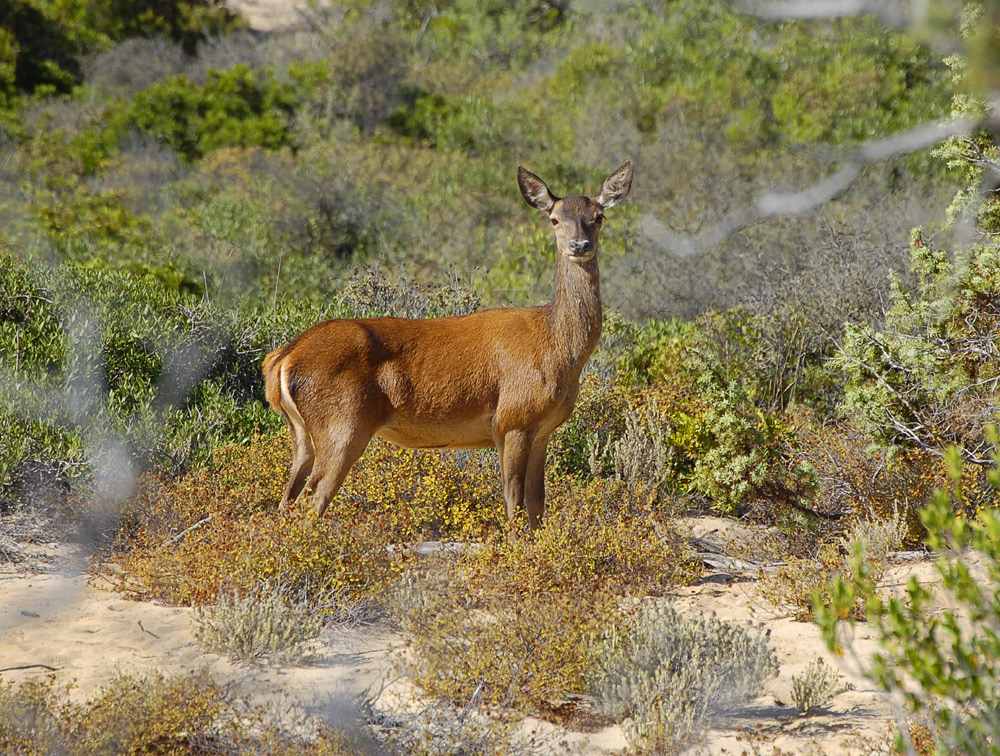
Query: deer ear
{"x": 534, "y": 190}
{"x": 616, "y": 187}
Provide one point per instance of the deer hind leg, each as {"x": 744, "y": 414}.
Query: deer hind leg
{"x": 534, "y": 483}
{"x": 303, "y": 453}
{"x": 336, "y": 452}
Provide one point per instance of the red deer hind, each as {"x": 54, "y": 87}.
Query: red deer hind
{"x": 505, "y": 377}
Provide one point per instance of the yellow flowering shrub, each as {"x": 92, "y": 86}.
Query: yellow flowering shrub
{"x": 220, "y": 529}
{"x": 429, "y": 495}
{"x": 153, "y": 714}
{"x": 517, "y": 620}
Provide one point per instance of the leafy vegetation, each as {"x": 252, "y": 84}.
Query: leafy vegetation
{"x": 942, "y": 636}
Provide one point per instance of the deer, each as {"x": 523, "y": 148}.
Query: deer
{"x": 505, "y": 377}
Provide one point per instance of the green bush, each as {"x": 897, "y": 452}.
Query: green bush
{"x": 240, "y": 106}
{"x": 90, "y": 355}
{"x": 939, "y": 645}
{"x": 42, "y": 43}
{"x": 924, "y": 380}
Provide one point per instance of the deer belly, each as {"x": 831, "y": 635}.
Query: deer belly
{"x": 460, "y": 433}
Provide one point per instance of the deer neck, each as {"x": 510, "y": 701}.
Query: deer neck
{"x": 575, "y": 315}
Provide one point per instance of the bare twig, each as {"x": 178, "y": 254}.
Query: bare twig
{"x": 786, "y": 204}
{"x": 30, "y": 666}
{"x": 180, "y": 536}
{"x": 890, "y": 14}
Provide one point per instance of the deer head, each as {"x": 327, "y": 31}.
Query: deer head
{"x": 576, "y": 220}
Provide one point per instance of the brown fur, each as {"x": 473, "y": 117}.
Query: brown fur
{"x": 505, "y": 377}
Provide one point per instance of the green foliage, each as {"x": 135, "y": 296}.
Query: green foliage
{"x": 970, "y": 155}
{"x": 189, "y": 22}
{"x": 42, "y": 43}
{"x": 488, "y": 35}
{"x": 688, "y": 421}
{"x": 867, "y": 82}
{"x": 90, "y": 354}
{"x": 38, "y": 50}
{"x": 663, "y": 675}
{"x": 240, "y": 107}
{"x": 475, "y": 125}
{"x": 742, "y": 447}
{"x": 939, "y": 641}
{"x": 927, "y": 379}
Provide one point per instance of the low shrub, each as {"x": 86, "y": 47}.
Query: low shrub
{"x": 265, "y": 622}
{"x": 662, "y": 675}
{"x": 440, "y": 728}
{"x": 218, "y": 528}
{"x": 173, "y": 716}
{"x": 608, "y": 533}
{"x": 854, "y": 481}
{"x": 495, "y": 637}
{"x": 789, "y": 587}
{"x": 817, "y": 686}
{"x": 428, "y": 495}
{"x": 793, "y": 587}
{"x": 515, "y": 621}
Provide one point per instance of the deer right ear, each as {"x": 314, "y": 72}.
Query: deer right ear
{"x": 534, "y": 190}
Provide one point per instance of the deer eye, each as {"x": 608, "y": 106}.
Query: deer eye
{"x": 599, "y": 220}
{"x": 555, "y": 221}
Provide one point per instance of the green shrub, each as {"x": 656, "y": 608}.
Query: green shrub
{"x": 939, "y": 645}
{"x": 240, "y": 106}
{"x": 662, "y": 675}
{"x": 189, "y": 22}
{"x": 475, "y": 125}
{"x": 924, "y": 381}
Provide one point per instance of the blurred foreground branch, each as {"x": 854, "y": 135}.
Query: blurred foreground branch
{"x": 785, "y": 204}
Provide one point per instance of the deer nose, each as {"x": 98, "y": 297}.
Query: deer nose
{"x": 579, "y": 247}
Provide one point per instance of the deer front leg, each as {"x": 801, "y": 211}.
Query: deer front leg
{"x": 515, "y": 449}
{"x": 534, "y": 483}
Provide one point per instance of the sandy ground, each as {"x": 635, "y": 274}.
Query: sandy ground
{"x": 58, "y": 619}
{"x": 273, "y": 15}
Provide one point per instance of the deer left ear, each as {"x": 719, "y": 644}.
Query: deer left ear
{"x": 616, "y": 187}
